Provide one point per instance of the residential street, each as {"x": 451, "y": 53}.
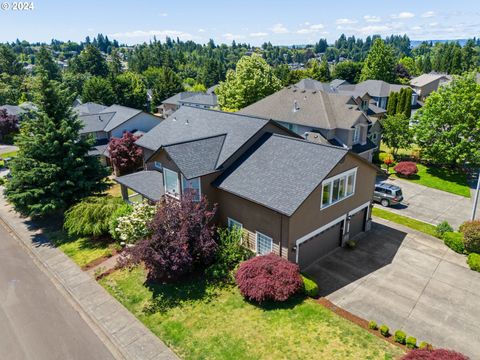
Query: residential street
{"x": 431, "y": 205}
{"x": 36, "y": 321}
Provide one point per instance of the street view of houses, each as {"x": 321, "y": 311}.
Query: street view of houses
{"x": 258, "y": 181}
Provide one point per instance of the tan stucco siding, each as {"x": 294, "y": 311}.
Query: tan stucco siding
{"x": 254, "y": 218}
{"x": 310, "y": 217}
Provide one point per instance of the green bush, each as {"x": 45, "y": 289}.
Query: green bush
{"x": 411, "y": 342}
{"x": 91, "y": 216}
{"x": 310, "y": 287}
{"x": 2, "y": 180}
{"x": 454, "y": 240}
{"x": 384, "y": 330}
{"x": 373, "y": 325}
{"x": 230, "y": 253}
{"x": 135, "y": 224}
{"x": 471, "y": 235}
{"x": 121, "y": 211}
{"x": 400, "y": 337}
{"x": 443, "y": 228}
{"x": 473, "y": 260}
{"x": 425, "y": 345}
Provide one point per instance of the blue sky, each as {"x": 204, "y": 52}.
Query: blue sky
{"x": 281, "y": 22}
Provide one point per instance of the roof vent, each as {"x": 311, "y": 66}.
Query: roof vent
{"x": 295, "y": 106}
{"x": 186, "y": 122}
{"x": 174, "y": 119}
{"x": 314, "y": 92}
{"x": 304, "y": 90}
{"x": 305, "y": 98}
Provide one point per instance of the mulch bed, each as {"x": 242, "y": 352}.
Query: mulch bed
{"x": 357, "y": 320}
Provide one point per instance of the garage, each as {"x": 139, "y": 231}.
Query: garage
{"x": 319, "y": 245}
{"x": 357, "y": 223}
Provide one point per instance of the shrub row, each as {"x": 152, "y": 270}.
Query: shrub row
{"x": 399, "y": 336}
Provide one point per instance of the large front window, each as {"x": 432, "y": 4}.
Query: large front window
{"x": 172, "y": 186}
{"x": 192, "y": 185}
{"x": 264, "y": 244}
{"x": 338, "y": 188}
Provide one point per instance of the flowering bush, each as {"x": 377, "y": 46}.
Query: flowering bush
{"x": 388, "y": 160}
{"x": 134, "y": 225}
{"x": 406, "y": 168}
{"x": 268, "y": 277}
{"x": 181, "y": 239}
{"x": 438, "y": 354}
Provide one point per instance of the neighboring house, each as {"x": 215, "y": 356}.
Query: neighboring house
{"x": 426, "y": 83}
{"x": 292, "y": 197}
{"x": 189, "y": 98}
{"x": 378, "y": 90}
{"x": 19, "y": 110}
{"x": 109, "y": 122}
{"x": 337, "y": 118}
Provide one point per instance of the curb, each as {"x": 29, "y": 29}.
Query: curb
{"x": 121, "y": 332}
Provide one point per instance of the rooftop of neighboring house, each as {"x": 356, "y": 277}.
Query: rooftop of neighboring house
{"x": 426, "y": 79}
{"x": 18, "y": 110}
{"x": 190, "y": 130}
{"x": 314, "y": 108}
{"x": 375, "y": 88}
{"x": 104, "y": 118}
{"x": 211, "y": 89}
{"x": 192, "y": 97}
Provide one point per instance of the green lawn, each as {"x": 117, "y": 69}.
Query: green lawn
{"x": 441, "y": 179}
{"x": 404, "y": 220}
{"x": 81, "y": 250}
{"x": 7, "y": 155}
{"x": 199, "y": 321}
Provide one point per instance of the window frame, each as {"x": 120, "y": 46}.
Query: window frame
{"x": 330, "y": 182}
{"x": 256, "y": 243}
{"x": 232, "y": 222}
{"x": 183, "y": 178}
{"x": 165, "y": 172}
{"x": 356, "y": 134}
{"x": 155, "y": 165}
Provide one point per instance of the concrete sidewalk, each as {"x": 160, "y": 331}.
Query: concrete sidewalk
{"x": 125, "y": 336}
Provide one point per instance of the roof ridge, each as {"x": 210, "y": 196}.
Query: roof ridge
{"x": 309, "y": 142}
{"x": 196, "y": 139}
{"x": 229, "y": 113}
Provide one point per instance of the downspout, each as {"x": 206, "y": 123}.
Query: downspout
{"x": 281, "y": 234}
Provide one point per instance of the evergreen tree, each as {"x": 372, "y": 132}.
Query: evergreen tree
{"x": 427, "y": 65}
{"x": 166, "y": 84}
{"x": 98, "y": 90}
{"x": 115, "y": 65}
{"x": 325, "y": 71}
{"x": 8, "y": 61}
{"x": 53, "y": 169}
{"x": 392, "y": 103}
{"x": 130, "y": 90}
{"x": 401, "y": 102}
{"x": 380, "y": 63}
{"x": 407, "y": 110}
{"x": 90, "y": 60}
{"x": 45, "y": 62}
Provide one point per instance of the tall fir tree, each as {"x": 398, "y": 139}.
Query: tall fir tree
{"x": 407, "y": 109}
{"x": 53, "y": 169}
{"x": 392, "y": 103}
{"x": 401, "y": 102}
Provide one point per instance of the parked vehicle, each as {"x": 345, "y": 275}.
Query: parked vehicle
{"x": 387, "y": 194}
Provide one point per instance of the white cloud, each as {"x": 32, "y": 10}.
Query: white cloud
{"x": 345, "y": 21}
{"x": 232, "y": 37}
{"x": 416, "y": 28}
{"x": 428, "y": 14}
{"x": 151, "y": 33}
{"x": 403, "y": 15}
{"x": 433, "y": 24}
{"x": 258, "y": 34}
{"x": 201, "y": 30}
{"x": 163, "y": 14}
{"x": 279, "y": 29}
{"x": 372, "y": 18}
{"x": 311, "y": 29}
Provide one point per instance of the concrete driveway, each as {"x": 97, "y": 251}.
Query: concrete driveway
{"x": 431, "y": 205}
{"x": 406, "y": 280}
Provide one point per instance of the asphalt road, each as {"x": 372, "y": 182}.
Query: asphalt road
{"x": 36, "y": 320}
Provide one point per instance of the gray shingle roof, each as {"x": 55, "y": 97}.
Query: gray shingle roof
{"x": 107, "y": 119}
{"x": 280, "y": 172}
{"x": 89, "y": 108}
{"x": 377, "y": 88}
{"x": 147, "y": 183}
{"x": 95, "y": 122}
{"x": 426, "y": 79}
{"x": 189, "y": 123}
{"x": 314, "y": 108}
{"x": 99, "y": 150}
{"x": 198, "y": 157}
{"x": 369, "y": 145}
{"x": 201, "y": 99}
{"x": 122, "y": 114}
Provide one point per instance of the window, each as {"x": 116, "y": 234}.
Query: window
{"x": 234, "y": 224}
{"x": 338, "y": 188}
{"x": 192, "y": 185}
{"x": 172, "y": 186}
{"x": 356, "y": 134}
{"x": 264, "y": 244}
{"x": 158, "y": 165}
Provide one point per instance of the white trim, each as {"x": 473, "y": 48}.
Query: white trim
{"x": 358, "y": 209}
{"x": 345, "y": 175}
{"x": 199, "y": 187}
{"x": 318, "y": 231}
{"x": 165, "y": 171}
{"x": 238, "y": 223}
{"x": 256, "y": 241}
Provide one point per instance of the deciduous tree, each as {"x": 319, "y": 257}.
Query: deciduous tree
{"x": 380, "y": 63}
{"x": 98, "y": 90}
{"x": 396, "y": 132}
{"x": 126, "y": 157}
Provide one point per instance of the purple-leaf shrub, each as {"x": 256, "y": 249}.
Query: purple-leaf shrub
{"x": 268, "y": 277}
{"x": 125, "y": 155}
{"x": 406, "y": 168}
{"x": 438, "y": 354}
{"x": 182, "y": 239}
{"x": 8, "y": 124}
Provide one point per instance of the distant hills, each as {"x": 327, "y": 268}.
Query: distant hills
{"x": 415, "y": 43}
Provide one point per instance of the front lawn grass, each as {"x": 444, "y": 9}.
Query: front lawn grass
{"x": 6, "y": 155}
{"x": 406, "y": 221}
{"x": 439, "y": 178}
{"x": 200, "y": 321}
{"x": 81, "y": 250}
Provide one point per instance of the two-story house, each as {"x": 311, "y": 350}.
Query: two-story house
{"x": 336, "y": 118}
{"x": 425, "y": 84}
{"x": 109, "y": 122}
{"x": 293, "y": 197}
{"x": 199, "y": 99}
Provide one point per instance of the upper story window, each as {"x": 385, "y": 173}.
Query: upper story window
{"x": 356, "y": 134}
{"x": 192, "y": 185}
{"x": 172, "y": 185}
{"x": 364, "y": 105}
{"x": 234, "y": 224}
{"x": 158, "y": 165}
{"x": 338, "y": 188}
